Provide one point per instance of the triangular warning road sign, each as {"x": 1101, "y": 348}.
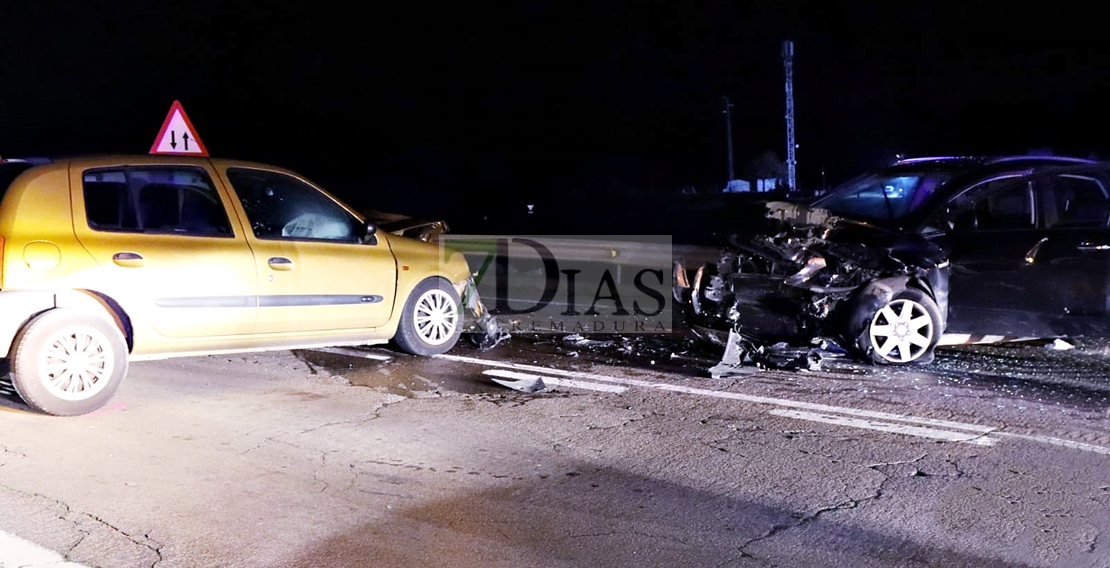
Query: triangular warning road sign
{"x": 178, "y": 137}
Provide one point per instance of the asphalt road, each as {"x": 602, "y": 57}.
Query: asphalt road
{"x": 631, "y": 456}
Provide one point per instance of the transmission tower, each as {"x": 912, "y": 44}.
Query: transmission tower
{"x": 788, "y": 65}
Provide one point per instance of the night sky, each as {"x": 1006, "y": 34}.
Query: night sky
{"x": 501, "y": 101}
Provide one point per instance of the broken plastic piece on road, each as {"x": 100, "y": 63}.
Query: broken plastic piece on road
{"x": 578, "y": 340}
{"x": 486, "y": 332}
{"x": 1060, "y": 345}
{"x": 523, "y": 384}
{"x": 780, "y": 356}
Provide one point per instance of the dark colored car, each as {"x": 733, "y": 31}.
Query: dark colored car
{"x": 1011, "y": 247}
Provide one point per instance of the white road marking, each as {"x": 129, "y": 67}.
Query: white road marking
{"x": 946, "y": 435}
{"x": 554, "y": 381}
{"x": 812, "y": 408}
{"x": 1059, "y": 442}
{"x": 354, "y": 353}
{"x": 17, "y": 552}
{"x": 786, "y": 403}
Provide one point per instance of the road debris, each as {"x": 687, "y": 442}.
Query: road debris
{"x": 485, "y": 332}
{"x": 744, "y": 357}
{"x": 525, "y": 384}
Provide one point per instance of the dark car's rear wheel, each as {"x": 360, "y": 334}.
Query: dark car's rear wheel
{"x": 903, "y": 331}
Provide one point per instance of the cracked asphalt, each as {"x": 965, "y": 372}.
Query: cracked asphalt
{"x": 308, "y": 458}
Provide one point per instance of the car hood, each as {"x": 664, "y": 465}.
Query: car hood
{"x": 862, "y": 243}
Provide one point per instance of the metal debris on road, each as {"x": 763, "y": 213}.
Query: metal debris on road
{"x": 578, "y": 340}
{"x": 485, "y": 332}
{"x": 743, "y": 357}
{"x": 522, "y": 384}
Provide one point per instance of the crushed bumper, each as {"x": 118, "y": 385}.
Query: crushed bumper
{"x": 484, "y": 331}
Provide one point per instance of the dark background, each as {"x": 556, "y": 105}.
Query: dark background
{"x": 440, "y": 110}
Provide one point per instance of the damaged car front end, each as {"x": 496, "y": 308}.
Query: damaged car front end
{"x": 879, "y": 293}
{"x": 483, "y": 329}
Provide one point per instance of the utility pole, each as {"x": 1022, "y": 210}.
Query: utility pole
{"x": 788, "y": 65}
{"x": 728, "y": 131}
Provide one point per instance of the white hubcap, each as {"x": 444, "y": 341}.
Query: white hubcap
{"x": 901, "y": 331}
{"x": 76, "y": 364}
{"x": 436, "y": 317}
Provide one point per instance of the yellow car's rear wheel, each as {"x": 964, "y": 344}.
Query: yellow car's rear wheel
{"x": 68, "y": 362}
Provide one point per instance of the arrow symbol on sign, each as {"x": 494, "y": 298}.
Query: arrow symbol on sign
{"x": 185, "y": 137}
{"x": 173, "y": 139}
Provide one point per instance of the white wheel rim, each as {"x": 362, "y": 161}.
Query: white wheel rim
{"x": 435, "y": 317}
{"x": 901, "y": 331}
{"x": 77, "y": 363}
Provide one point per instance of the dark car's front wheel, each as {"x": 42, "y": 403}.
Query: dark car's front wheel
{"x": 903, "y": 331}
{"x": 432, "y": 321}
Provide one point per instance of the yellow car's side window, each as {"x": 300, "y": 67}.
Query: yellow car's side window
{"x": 175, "y": 200}
{"x": 279, "y": 206}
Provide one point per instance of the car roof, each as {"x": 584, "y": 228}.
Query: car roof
{"x": 972, "y": 162}
{"x": 1014, "y": 166}
{"x": 968, "y": 171}
{"x": 12, "y": 168}
{"x": 112, "y": 160}
{"x": 964, "y": 172}
{"x": 1048, "y": 160}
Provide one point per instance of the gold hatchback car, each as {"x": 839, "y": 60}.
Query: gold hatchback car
{"x": 107, "y": 260}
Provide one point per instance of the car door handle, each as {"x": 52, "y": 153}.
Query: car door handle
{"x": 1088, "y": 245}
{"x": 128, "y": 259}
{"x": 280, "y": 263}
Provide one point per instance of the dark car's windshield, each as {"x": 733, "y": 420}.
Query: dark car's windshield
{"x": 883, "y": 196}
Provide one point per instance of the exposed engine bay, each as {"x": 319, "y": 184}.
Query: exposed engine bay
{"x": 818, "y": 277}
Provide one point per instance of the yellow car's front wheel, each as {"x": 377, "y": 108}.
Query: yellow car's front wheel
{"x": 431, "y": 321}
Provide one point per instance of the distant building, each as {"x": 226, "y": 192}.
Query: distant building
{"x": 738, "y": 186}
{"x": 744, "y": 186}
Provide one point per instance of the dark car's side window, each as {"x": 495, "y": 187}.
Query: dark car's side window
{"x": 279, "y": 206}
{"x": 1079, "y": 201}
{"x": 179, "y": 201}
{"x": 997, "y": 206}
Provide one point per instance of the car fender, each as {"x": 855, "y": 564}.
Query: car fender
{"x": 868, "y": 300}
{"x": 418, "y": 261}
{"x": 19, "y": 306}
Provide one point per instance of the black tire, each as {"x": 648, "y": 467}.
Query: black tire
{"x": 67, "y": 362}
{"x": 898, "y": 333}
{"x": 432, "y": 319}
